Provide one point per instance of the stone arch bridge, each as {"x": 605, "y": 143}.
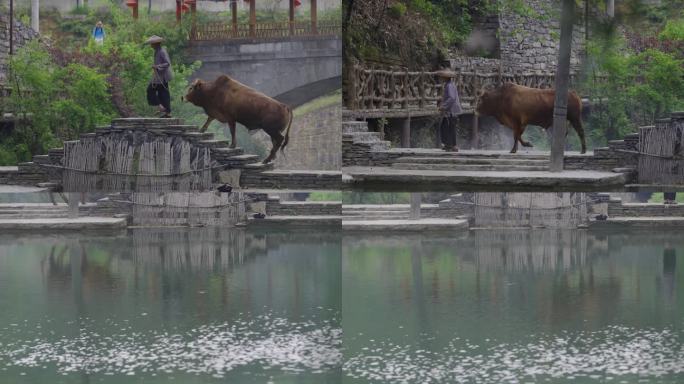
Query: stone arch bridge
{"x": 292, "y": 69}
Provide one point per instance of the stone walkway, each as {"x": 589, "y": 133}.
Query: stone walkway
{"x": 405, "y": 225}
{"x": 61, "y": 224}
{"x": 642, "y": 222}
{"x": 393, "y": 179}
{"x": 297, "y": 221}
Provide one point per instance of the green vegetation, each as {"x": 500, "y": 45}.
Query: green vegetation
{"x": 633, "y": 81}
{"x": 325, "y": 196}
{"x": 318, "y": 103}
{"x": 71, "y": 85}
{"x": 376, "y": 198}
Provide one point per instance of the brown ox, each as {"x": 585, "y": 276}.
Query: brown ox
{"x": 229, "y": 101}
{"x": 516, "y": 106}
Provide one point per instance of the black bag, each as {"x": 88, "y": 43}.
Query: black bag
{"x": 152, "y": 96}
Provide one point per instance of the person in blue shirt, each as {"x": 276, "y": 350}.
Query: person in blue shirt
{"x": 99, "y": 33}
{"x": 450, "y": 107}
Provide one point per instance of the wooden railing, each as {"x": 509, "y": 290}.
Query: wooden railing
{"x": 227, "y": 31}
{"x": 383, "y": 89}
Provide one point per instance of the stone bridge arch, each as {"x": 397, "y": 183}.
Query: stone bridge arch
{"x": 293, "y": 70}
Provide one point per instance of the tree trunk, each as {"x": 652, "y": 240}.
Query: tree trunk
{"x": 560, "y": 108}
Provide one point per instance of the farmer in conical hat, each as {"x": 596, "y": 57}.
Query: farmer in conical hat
{"x": 158, "y": 90}
{"x": 450, "y": 107}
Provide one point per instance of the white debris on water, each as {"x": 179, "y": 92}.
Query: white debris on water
{"x": 264, "y": 342}
{"x": 656, "y": 355}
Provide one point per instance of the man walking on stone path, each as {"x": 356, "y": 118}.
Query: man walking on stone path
{"x": 450, "y": 107}
{"x": 158, "y": 90}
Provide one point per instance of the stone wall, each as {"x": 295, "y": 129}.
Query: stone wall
{"x": 22, "y": 34}
{"x": 529, "y": 44}
{"x": 273, "y": 68}
{"x": 314, "y": 140}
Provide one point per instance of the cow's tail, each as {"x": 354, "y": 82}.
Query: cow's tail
{"x": 287, "y": 131}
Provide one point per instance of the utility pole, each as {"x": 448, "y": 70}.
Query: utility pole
{"x": 610, "y": 8}
{"x": 560, "y": 106}
{"x": 11, "y": 27}
{"x": 35, "y": 15}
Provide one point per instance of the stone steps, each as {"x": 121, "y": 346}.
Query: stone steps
{"x": 471, "y": 167}
{"x": 297, "y": 221}
{"x": 350, "y": 127}
{"x": 480, "y": 154}
{"x": 214, "y": 143}
{"x": 365, "y": 212}
{"x": 472, "y": 160}
{"x": 303, "y": 208}
{"x": 292, "y": 179}
{"x": 645, "y": 210}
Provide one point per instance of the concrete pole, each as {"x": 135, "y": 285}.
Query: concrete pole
{"x": 11, "y": 27}
{"x": 35, "y": 14}
{"x": 406, "y": 133}
{"x": 560, "y": 108}
{"x": 415, "y": 205}
{"x": 73, "y": 204}
{"x": 610, "y": 8}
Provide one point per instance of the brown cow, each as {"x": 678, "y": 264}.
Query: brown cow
{"x": 516, "y": 106}
{"x": 229, "y": 101}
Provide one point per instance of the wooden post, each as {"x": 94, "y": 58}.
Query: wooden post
{"x": 415, "y": 205}
{"x": 475, "y": 143}
{"x": 135, "y": 11}
{"x": 252, "y": 18}
{"x": 178, "y": 11}
{"x": 406, "y": 133}
{"x": 560, "y": 108}
{"x": 292, "y": 9}
{"x": 314, "y": 18}
{"x": 233, "y": 14}
{"x": 193, "y": 11}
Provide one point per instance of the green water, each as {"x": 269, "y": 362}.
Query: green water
{"x": 159, "y": 306}
{"x": 514, "y": 306}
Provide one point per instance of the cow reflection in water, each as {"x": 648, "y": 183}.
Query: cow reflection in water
{"x": 516, "y": 106}
{"x": 229, "y": 101}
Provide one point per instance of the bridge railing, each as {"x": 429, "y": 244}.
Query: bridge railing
{"x": 385, "y": 89}
{"x": 263, "y": 30}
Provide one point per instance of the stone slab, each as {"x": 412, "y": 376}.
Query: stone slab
{"x": 314, "y": 221}
{"x": 62, "y": 224}
{"x": 20, "y": 189}
{"x": 431, "y": 224}
{"x": 392, "y": 179}
{"x": 639, "y": 222}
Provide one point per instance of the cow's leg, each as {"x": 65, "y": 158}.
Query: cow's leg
{"x": 277, "y": 140}
{"x": 577, "y": 124}
{"x": 233, "y": 140}
{"x": 206, "y": 124}
{"x": 517, "y": 136}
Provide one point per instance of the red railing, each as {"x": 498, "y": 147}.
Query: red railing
{"x": 262, "y": 30}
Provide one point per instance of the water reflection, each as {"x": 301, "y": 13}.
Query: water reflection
{"x": 192, "y": 304}
{"x": 514, "y": 306}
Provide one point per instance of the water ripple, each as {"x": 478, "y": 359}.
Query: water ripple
{"x": 611, "y": 354}
{"x": 267, "y": 341}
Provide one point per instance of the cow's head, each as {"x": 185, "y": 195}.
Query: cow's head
{"x": 195, "y": 92}
{"x": 487, "y": 100}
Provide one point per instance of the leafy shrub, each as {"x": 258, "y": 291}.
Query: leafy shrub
{"x": 397, "y": 10}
